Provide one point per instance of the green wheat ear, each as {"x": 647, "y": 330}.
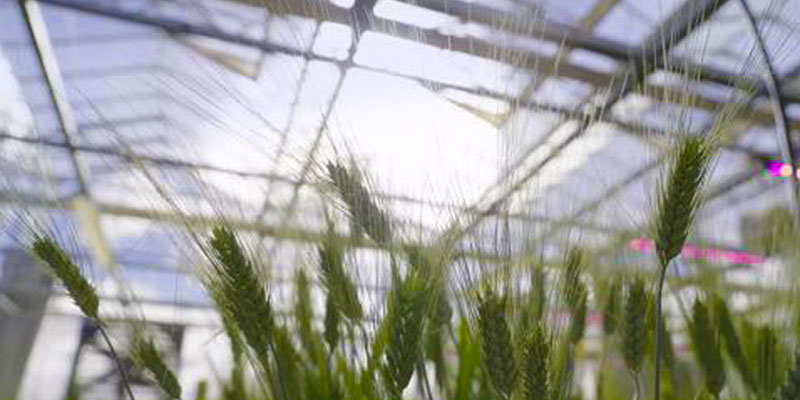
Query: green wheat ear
{"x": 790, "y": 389}
{"x": 733, "y": 345}
{"x": 337, "y": 282}
{"x": 575, "y": 294}
{"x": 406, "y": 321}
{"x": 707, "y": 348}
{"x": 572, "y": 288}
{"x": 679, "y": 196}
{"x": 79, "y": 289}
{"x": 634, "y": 326}
{"x": 766, "y": 362}
{"x": 286, "y": 361}
{"x": 234, "y": 389}
{"x": 538, "y": 294}
{"x": 577, "y": 324}
{"x": 536, "y": 353}
{"x": 146, "y": 355}
{"x": 497, "y": 348}
{"x": 332, "y": 319}
{"x": 239, "y": 292}
{"x": 610, "y": 309}
{"x": 362, "y": 208}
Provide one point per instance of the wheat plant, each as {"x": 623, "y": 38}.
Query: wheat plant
{"x": 147, "y": 356}
{"x": 677, "y": 203}
{"x": 79, "y": 289}
{"x": 497, "y": 349}
{"x": 707, "y": 348}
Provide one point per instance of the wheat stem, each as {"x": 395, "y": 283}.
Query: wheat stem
{"x": 281, "y": 378}
{"x": 637, "y": 385}
{"x": 659, "y": 339}
{"x": 423, "y": 375}
{"x": 117, "y": 360}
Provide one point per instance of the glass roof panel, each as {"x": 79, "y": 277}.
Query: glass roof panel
{"x": 186, "y": 103}
{"x": 725, "y": 42}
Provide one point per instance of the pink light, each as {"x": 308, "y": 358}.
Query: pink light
{"x": 774, "y": 168}
{"x": 778, "y": 169}
{"x": 693, "y": 252}
{"x": 643, "y": 245}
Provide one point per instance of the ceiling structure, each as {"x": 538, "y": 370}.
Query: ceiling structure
{"x": 130, "y": 118}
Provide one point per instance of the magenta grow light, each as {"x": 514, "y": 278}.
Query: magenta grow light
{"x": 779, "y": 169}
{"x": 693, "y": 252}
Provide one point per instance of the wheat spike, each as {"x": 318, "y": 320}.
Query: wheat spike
{"x": 575, "y": 294}
{"x": 572, "y": 288}
{"x": 337, "y": 282}
{"x": 634, "y": 335}
{"x": 766, "y": 363}
{"x": 234, "y": 389}
{"x": 362, "y": 208}
{"x": 538, "y": 294}
{"x": 146, "y": 355}
{"x": 79, "y": 289}
{"x": 331, "y": 323}
{"x": 286, "y": 360}
{"x": 679, "y": 196}
{"x": 706, "y": 348}
{"x": 577, "y": 323}
{"x": 231, "y": 330}
{"x": 610, "y": 309}
{"x": 239, "y": 293}
{"x": 407, "y": 316}
{"x": 536, "y": 355}
{"x": 497, "y": 348}
{"x": 723, "y": 320}
{"x": 562, "y": 370}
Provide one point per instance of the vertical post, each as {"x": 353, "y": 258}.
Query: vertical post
{"x": 25, "y": 291}
{"x": 55, "y": 83}
{"x": 778, "y": 102}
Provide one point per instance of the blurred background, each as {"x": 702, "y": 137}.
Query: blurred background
{"x": 122, "y": 119}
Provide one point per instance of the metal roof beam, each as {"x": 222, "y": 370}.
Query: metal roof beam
{"x": 37, "y": 30}
{"x": 468, "y": 46}
{"x": 322, "y": 11}
{"x": 132, "y": 158}
{"x": 633, "y": 77}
